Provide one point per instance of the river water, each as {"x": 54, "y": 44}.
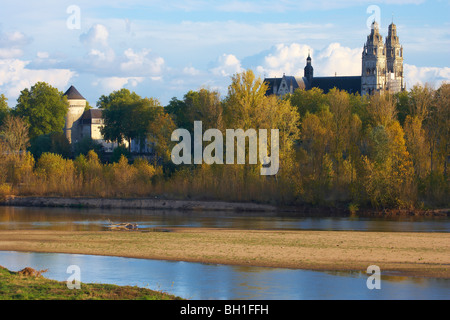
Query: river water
{"x": 210, "y": 281}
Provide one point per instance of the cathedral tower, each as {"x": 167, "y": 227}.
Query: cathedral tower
{"x": 309, "y": 70}
{"x": 394, "y": 61}
{"x": 373, "y": 63}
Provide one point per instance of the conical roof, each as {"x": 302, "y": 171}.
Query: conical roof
{"x": 73, "y": 94}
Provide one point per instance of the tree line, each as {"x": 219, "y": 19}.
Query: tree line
{"x": 383, "y": 151}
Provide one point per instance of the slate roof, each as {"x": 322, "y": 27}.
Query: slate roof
{"x": 92, "y": 114}
{"x": 351, "y": 84}
{"x": 73, "y": 94}
{"x": 297, "y": 82}
{"x": 272, "y": 82}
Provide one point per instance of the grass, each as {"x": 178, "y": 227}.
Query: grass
{"x": 14, "y": 286}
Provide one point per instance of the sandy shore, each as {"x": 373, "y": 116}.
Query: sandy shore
{"x": 413, "y": 254}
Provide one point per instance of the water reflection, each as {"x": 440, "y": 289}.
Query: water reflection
{"x": 70, "y": 219}
{"x": 209, "y": 281}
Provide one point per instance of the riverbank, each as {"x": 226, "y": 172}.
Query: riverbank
{"x": 28, "y": 284}
{"x": 192, "y": 205}
{"x": 411, "y": 254}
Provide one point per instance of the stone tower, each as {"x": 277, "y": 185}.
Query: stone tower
{"x": 309, "y": 70}
{"x": 77, "y": 104}
{"x": 394, "y": 61}
{"x": 373, "y": 76}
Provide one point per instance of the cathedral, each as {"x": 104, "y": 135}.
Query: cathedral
{"x": 382, "y": 70}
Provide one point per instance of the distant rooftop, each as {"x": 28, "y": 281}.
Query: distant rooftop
{"x": 73, "y": 94}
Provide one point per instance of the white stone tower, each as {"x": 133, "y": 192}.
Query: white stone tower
{"x": 373, "y": 76}
{"x": 77, "y": 104}
{"x": 394, "y": 61}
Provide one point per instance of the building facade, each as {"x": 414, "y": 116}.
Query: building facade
{"x": 81, "y": 123}
{"x": 382, "y": 70}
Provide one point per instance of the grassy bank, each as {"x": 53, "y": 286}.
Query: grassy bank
{"x": 16, "y": 286}
{"x": 415, "y": 254}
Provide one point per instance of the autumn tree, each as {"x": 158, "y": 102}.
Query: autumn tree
{"x": 14, "y": 134}
{"x": 159, "y": 135}
{"x": 204, "y": 105}
{"x": 15, "y": 163}
{"x": 308, "y": 101}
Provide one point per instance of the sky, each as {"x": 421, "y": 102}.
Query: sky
{"x": 163, "y": 49}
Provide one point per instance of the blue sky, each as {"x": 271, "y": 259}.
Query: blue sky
{"x": 163, "y": 49}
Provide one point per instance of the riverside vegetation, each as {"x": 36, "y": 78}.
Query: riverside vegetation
{"x": 30, "y": 285}
{"x": 379, "y": 151}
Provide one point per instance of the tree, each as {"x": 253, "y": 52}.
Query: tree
{"x": 85, "y": 145}
{"x": 56, "y": 143}
{"x": 381, "y": 110}
{"x": 14, "y": 133}
{"x": 307, "y": 101}
{"x": 204, "y": 105}
{"x": 115, "y": 109}
{"x": 127, "y": 116}
{"x": 15, "y": 163}
{"x": 246, "y": 95}
{"x": 43, "y": 107}
{"x": 247, "y": 106}
{"x": 4, "y": 109}
{"x": 436, "y": 126}
{"x": 340, "y": 108}
{"x": 159, "y": 135}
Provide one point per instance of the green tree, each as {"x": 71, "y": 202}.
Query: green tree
{"x": 85, "y": 145}
{"x": 43, "y": 107}
{"x": 4, "y": 108}
{"x": 115, "y": 112}
{"x": 127, "y": 116}
{"x": 55, "y": 143}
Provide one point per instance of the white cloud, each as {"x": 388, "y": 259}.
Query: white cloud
{"x": 191, "y": 71}
{"x": 15, "y": 76}
{"x": 13, "y": 39}
{"x": 12, "y": 43}
{"x": 288, "y": 59}
{"x": 141, "y": 63}
{"x": 341, "y": 60}
{"x": 227, "y": 65}
{"x": 422, "y": 75}
{"x": 96, "y": 36}
{"x": 9, "y": 53}
{"x": 43, "y": 55}
{"x": 110, "y": 84}
{"x": 291, "y": 60}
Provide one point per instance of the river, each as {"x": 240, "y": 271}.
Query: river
{"x": 210, "y": 281}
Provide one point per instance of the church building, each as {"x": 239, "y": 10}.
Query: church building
{"x": 382, "y": 70}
